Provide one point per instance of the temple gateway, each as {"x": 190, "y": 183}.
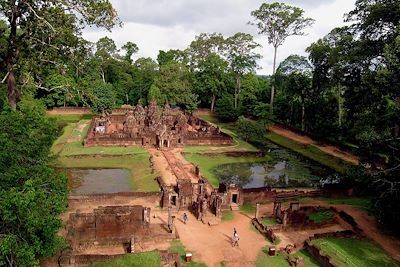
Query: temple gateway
{"x": 153, "y": 127}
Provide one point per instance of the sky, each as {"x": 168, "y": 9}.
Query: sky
{"x": 172, "y": 24}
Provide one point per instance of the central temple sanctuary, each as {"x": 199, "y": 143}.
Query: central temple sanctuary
{"x": 152, "y": 126}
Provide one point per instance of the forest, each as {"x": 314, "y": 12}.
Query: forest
{"x": 346, "y": 91}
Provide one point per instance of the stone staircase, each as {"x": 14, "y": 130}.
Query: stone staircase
{"x": 234, "y": 207}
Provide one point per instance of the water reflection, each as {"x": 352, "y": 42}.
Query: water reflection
{"x": 283, "y": 169}
{"x": 98, "y": 181}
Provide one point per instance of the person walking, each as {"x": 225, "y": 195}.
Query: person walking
{"x": 235, "y": 241}
{"x": 185, "y": 218}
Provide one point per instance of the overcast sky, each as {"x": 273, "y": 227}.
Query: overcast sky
{"x": 172, "y": 24}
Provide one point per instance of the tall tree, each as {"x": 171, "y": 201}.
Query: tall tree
{"x": 279, "y": 21}
{"x": 239, "y": 51}
{"x": 27, "y": 17}
{"x": 206, "y": 53}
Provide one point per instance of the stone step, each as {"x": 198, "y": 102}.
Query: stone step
{"x": 234, "y": 207}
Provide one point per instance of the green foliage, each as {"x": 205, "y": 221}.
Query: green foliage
{"x": 249, "y": 131}
{"x": 33, "y": 194}
{"x": 263, "y": 259}
{"x": 155, "y": 93}
{"x": 102, "y": 98}
{"x": 150, "y": 259}
{"x": 225, "y": 110}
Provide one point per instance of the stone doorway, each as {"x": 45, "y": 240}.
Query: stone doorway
{"x": 234, "y": 198}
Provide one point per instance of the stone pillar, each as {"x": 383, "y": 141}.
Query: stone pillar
{"x": 284, "y": 218}
{"x": 257, "y": 211}
{"x": 173, "y": 225}
{"x": 132, "y": 245}
{"x": 170, "y": 220}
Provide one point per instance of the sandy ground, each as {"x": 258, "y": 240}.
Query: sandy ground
{"x": 212, "y": 244}
{"x": 305, "y": 140}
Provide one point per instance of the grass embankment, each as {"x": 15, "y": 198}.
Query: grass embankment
{"x": 310, "y": 152}
{"x": 70, "y": 117}
{"x": 148, "y": 259}
{"x": 207, "y": 163}
{"x": 263, "y": 259}
{"x": 361, "y": 203}
{"x": 177, "y": 247}
{"x": 354, "y": 252}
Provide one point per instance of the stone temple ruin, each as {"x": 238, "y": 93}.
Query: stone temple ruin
{"x": 152, "y": 127}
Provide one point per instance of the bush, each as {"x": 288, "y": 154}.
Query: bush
{"x": 250, "y": 131}
{"x": 225, "y": 110}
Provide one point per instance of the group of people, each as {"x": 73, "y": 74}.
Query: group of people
{"x": 235, "y": 239}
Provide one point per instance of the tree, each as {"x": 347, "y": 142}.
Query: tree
{"x": 206, "y": 58}
{"x": 175, "y": 82}
{"x": 33, "y": 194}
{"x": 225, "y": 109}
{"x": 102, "y": 98}
{"x": 155, "y": 94}
{"x": 28, "y": 17}
{"x": 239, "y": 51}
{"x": 279, "y": 21}
{"x": 297, "y": 73}
{"x": 130, "y": 48}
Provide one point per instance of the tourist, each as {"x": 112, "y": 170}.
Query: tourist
{"x": 235, "y": 240}
{"x": 185, "y": 218}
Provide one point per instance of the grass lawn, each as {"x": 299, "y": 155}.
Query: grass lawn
{"x": 354, "y": 253}
{"x": 321, "y": 216}
{"x": 248, "y": 208}
{"x": 263, "y": 259}
{"x": 227, "y": 215}
{"x": 358, "y": 202}
{"x": 177, "y": 247}
{"x": 139, "y": 166}
{"x": 148, "y": 259}
{"x": 310, "y": 152}
{"x": 70, "y": 118}
{"x": 207, "y": 163}
{"x": 267, "y": 221}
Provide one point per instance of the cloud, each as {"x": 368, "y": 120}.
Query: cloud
{"x": 164, "y": 24}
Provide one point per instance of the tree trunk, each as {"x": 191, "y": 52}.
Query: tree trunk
{"x": 212, "y": 102}
{"x": 127, "y": 98}
{"x": 273, "y": 82}
{"x": 10, "y": 57}
{"x": 303, "y": 111}
{"x": 339, "y": 105}
{"x": 237, "y": 90}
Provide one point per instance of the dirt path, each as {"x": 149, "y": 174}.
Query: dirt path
{"x": 161, "y": 164}
{"x": 212, "y": 245}
{"x": 305, "y": 140}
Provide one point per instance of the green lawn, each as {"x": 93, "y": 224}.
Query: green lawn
{"x": 358, "y": 202}
{"x": 268, "y": 221}
{"x": 248, "y": 208}
{"x": 321, "y": 216}
{"x": 70, "y": 118}
{"x": 207, "y": 163}
{"x": 310, "y": 152}
{"x": 177, "y": 247}
{"x": 148, "y": 259}
{"x": 354, "y": 253}
{"x": 138, "y": 164}
{"x": 227, "y": 215}
{"x": 263, "y": 259}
